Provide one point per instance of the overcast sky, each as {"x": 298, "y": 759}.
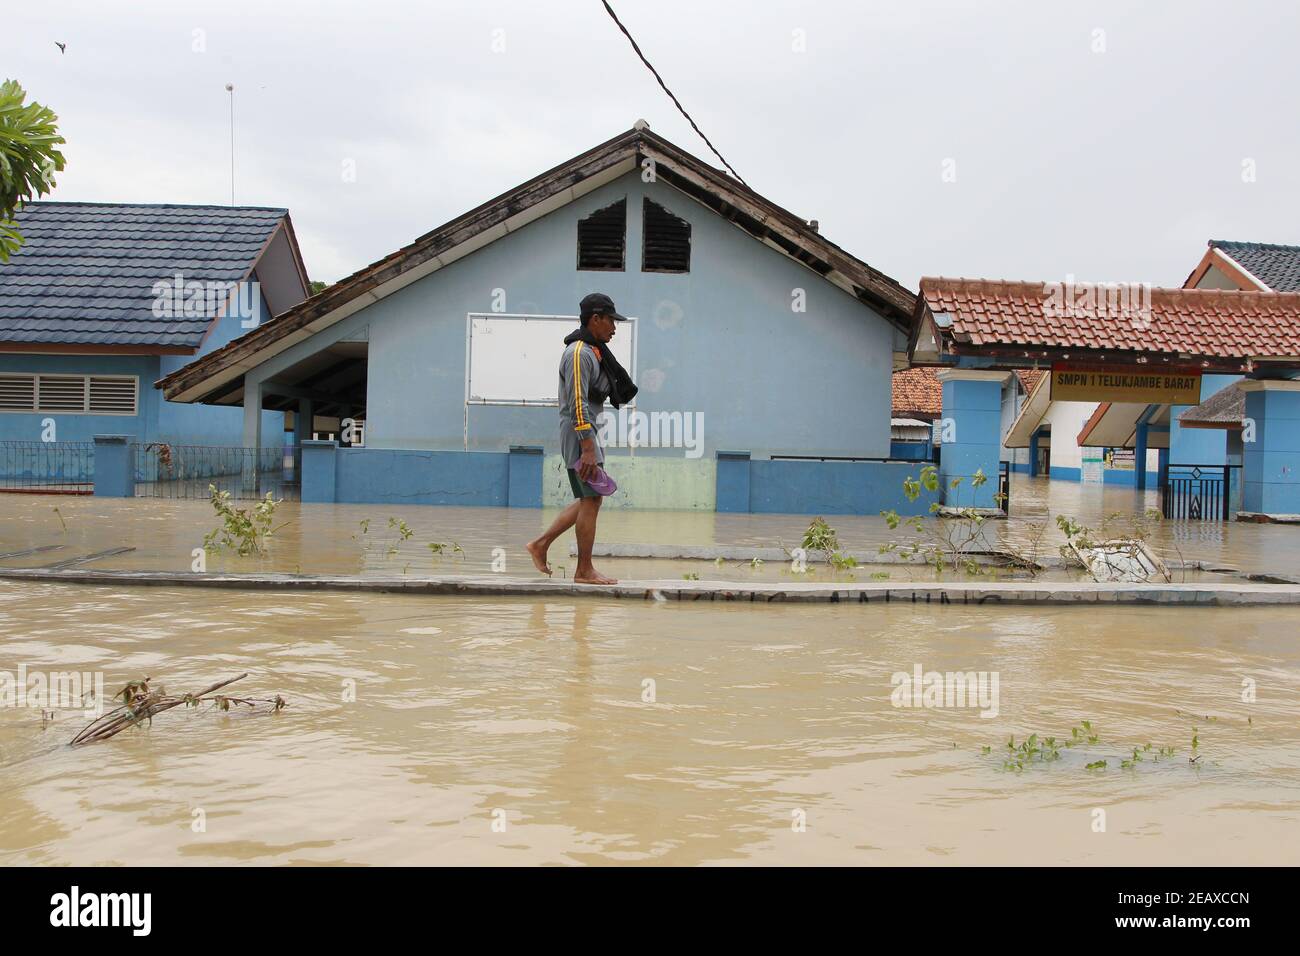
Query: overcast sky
{"x": 1107, "y": 140}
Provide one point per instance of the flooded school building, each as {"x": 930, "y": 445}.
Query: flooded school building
{"x": 763, "y": 351}
{"x": 428, "y": 664}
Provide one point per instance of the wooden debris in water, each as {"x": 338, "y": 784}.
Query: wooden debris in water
{"x": 1124, "y": 561}
{"x": 140, "y": 703}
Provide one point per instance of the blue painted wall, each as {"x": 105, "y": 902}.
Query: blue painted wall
{"x": 975, "y": 410}
{"x": 180, "y": 423}
{"x": 1271, "y": 463}
{"x": 1199, "y": 446}
{"x": 398, "y": 476}
{"x": 911, "y": 450}
{"x": 721, "y": 340}
{"x": 833, "y": 488}
{"x": 156, "y": 419}
{"x": 26, "y": 426}
{"x": 422, "y": 477}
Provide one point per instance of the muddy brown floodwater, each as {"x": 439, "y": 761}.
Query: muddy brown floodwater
{"x": 629, "y": 732}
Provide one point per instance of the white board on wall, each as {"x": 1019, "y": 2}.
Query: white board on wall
{"x": 515, "y": 359}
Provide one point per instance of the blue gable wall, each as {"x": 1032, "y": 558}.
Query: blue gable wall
{"x": 179, "y": 423}
{"x": 1199, "y": 446}
{"x": 721, "y": 340}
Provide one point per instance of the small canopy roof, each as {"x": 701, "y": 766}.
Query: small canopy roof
{"x": 1224, "y": 409}
{"x": 1031, "y": 414}
{"x": 1114, "y": 425}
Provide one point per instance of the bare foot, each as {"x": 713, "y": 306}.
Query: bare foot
{"x": 592, "y": 577}
{"x": 538, "y": 553}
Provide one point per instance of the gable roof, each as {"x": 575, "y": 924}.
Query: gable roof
{"x": 1114, "y": 425}
{"x": 1030, "y": 377}
{"x": 1225, "y": 329}
{"x": 917, "y": 393}
{"x": 1226, "y": 408}
{"x": 1276, "y": 266}
{"x": 761, "y": 218}
{"x": 86, "y": 271}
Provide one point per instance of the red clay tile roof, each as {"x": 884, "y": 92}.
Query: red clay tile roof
{"x": 1029, "y": 378}
{"x": 1195, "y": 322}
{"x": 917, "y": 393}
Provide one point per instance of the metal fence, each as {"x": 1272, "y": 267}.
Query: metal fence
{"x": 51, "y": 468}
{"x": 164, "y": 470}
{"x": 1198, "y": 492}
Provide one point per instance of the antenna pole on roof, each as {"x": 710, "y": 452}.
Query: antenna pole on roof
{"x": 230, "y": 88}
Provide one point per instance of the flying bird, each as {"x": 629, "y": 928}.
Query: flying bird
{"x": 63, "y": 47}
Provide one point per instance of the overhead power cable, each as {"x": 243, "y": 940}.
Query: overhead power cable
{"x": 681, "y": 109}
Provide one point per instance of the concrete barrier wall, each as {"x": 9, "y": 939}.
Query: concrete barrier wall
{"x": 515, "y": 479}
{"x": 398, "y": 476}
{"x": 816, "y": 487}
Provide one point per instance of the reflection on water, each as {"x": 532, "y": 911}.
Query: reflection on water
{"x": 536, "y": 711}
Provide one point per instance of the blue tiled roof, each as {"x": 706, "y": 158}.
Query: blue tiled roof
{"x": 86, "y": 272}
{"x": 1277, "y": 266}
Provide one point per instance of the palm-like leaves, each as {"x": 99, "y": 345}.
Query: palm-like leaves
{"x": 28, "y": 158}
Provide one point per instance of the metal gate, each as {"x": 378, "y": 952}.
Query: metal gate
{"x": 1197, "y": 492}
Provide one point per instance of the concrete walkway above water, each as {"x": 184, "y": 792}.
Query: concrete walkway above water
{"x": 958, "y": 593}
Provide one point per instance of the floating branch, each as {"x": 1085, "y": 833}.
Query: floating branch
{"x": 140, "y": 703}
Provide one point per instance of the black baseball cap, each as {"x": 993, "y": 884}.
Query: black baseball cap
{"x": 598, "y": 304}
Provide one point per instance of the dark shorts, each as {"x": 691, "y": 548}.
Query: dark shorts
{"x": 580, "y": 488}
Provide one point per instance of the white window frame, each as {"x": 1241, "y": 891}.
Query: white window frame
{"x": 561, "y": 322}
{"x": 36, "y": 408}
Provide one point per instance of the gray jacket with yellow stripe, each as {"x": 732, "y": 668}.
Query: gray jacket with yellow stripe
{"x": 584, "y": 386}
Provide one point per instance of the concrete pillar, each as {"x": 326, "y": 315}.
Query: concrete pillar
{"x": 319, "y": 471}
{"x": 114, "y": 466}
{"x": 970, "y": 432}
{"x": 525, "y": 483}
{"x": 1271, "y": 448}
{"x": 252, "y": 414}
{"x": 1140, "y": 457}
{"x": 303, "y": 417}
{"x": 1162, "y": 466}
{"x": 732, "y": 482}
{"x": 252, "y": 434}
{"x": 1033, "y": 454}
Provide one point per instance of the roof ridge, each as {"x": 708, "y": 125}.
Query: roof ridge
{"x": 152, "y": 205}
{"x": 962, "y": 284}
{"x": 1241, "y": 244}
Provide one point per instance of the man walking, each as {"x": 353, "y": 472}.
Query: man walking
{"x": 589, "y": 374}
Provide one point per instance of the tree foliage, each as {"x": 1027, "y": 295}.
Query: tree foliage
{"x": 29, "y": 158}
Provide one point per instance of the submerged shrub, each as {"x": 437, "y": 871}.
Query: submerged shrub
{"x": 243, "y": 530}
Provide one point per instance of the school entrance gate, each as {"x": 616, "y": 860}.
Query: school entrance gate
{"x": 1232, "y": 357}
